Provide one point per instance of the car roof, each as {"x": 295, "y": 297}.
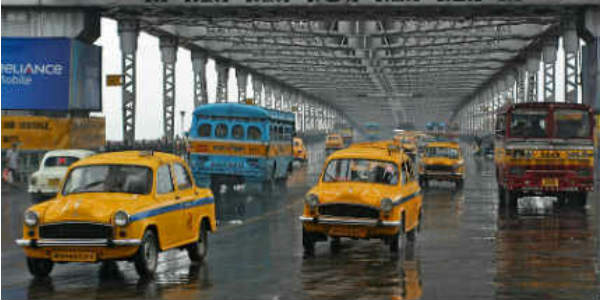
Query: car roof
{"x": 144, "y": 158}
{"x": 69, "y": 152}
{"x": 444, "y": 144}
{"x": 373, "y": 151}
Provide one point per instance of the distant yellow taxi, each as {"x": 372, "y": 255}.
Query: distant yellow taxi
{"x": 299, "y": 150}
{"x": 408, "y": 143}
{"x": 333, "y": 143}
{"x": 365, "y": 191}
{"x": 120, "y": 206}
{"x": 442, "y": 161}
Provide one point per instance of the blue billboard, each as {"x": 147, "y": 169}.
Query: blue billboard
{"x": 50, "y": 74}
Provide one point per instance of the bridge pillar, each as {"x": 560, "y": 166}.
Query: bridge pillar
{"x": 128, "y": 35}
{"x": 199, "y": 68}
{"x": 591, "y": 62}
{"x": 549, "y": 59}
{"x": 571, "y": 47}
{"x": 168, "y": 51}
{"x": 533, "y": 65}
{"x": 257, "y": 89}
{"x": 222, "y": 82}
{"x": 242, "y": 81}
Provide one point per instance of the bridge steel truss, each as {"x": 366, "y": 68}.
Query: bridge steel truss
{"x": 350, "y": 62}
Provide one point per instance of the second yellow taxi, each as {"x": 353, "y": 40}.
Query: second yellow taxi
{"x": 367, "y": 191}
{"x": 120, "y": 206}
{"x": 442, "y": 161}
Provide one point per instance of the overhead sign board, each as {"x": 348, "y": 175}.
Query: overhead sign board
{"x": 50, "y": 74}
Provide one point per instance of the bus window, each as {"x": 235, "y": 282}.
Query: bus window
{"x": 237, "y": 132}
{"x": 280, "y": 133}
{"x": 204, "y": 130}
{"x": 221, "y": 130}
{"x": 254, "y": 133}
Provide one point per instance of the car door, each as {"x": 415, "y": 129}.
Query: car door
{"x": 169, "y": 217}
{"x": 410, "y": 191}
{"x": 186, "y": 195}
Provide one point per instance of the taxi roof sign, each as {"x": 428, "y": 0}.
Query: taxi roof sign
{"x": 114, "y": 80}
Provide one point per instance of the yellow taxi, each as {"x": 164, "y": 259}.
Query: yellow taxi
{"x": 333, "y": 143}
{"x": 408, "y": 143}
{"x": 120, "y": 206}
{"x": 299, "y": 150}
{"x": 363, "y": 192}
{"x": 442, "y": 161}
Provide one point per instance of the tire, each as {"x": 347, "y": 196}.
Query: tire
{"x": 308, "y": 242}
{"x": 501, "y": 192}
{"x": 511, "y": 198}
{"x": 578, "y": 199}
{"x": 198, "y": 250}
{"x": 146, "y": 259}
{"x": 394, "y": 240}
{"x": 459, "y": 184}
{"x": 39, "y": 267}
{"x": 335, "y": 245}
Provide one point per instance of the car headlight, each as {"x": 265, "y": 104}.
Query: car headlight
{"x": 121, "y": 218}
{"x": 311, "y": 200}
{"x": 31, "y": 218}
{"x": 386, "y": 204}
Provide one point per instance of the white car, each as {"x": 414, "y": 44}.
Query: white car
{"x": 44, "y": 182}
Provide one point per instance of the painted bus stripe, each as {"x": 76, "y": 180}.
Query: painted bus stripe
{"x": 170, "y": 208}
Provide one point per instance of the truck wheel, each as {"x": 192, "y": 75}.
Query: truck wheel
{"x": 39, "y": 267}
{"x": 579, "y": 198}
{"x": 511, "y": 198}
{"x": 146, "y": 258}
{"x": 308, "y": 242}
{"x": 198, "y": 250}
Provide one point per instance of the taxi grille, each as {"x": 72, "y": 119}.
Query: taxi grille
{"x": 76, "y": 231}
{"x": 349, "y": 210}
{"x": 439, "y": 168}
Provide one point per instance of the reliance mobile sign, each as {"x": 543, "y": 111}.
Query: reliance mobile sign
{"x": 50, "y": 74}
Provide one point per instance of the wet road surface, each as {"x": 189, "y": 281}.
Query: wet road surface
{"x": 468, "y": 248}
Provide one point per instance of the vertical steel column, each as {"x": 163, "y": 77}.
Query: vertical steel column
{"x": 549, "y": 58}
{"x": 257, "y": 89}
{"x": 168, "y": 51}
{"x": 521, "y": 76}
{"x": 128, "y": 36}
{"x": 199, "y": 68}
{"x": 533, "y": 64}
{"x": 222, "y": 82}
{"x": 242, "y": 80}
{"x": 571, "y": 47}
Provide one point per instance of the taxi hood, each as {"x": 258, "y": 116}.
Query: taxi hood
{"x": 87, "y": 207}
{"x": 352, "y": 193}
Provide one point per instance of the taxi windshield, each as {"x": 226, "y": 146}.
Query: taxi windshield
{"x": 109, "y": 179}
{"x": 441, "y": 152}
{"x": 361, "y": 170}
{"x": 528, "y": 123}
{"x": 571, "y": 123}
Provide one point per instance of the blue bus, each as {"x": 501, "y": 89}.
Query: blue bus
{"x": 234, "y": 143}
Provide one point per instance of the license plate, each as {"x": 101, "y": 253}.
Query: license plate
{"x": 348, "y": 232}
{"x": 550, "y": 182}
{"x": 80, "y": 256}
{"x": 53, "y": 182}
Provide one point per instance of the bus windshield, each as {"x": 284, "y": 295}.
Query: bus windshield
{"x": 528, "y": 123}
{"x": 571, "y": 123}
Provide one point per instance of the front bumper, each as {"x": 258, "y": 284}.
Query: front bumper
{"x": 350, "y": 221}
{"x": 77, "y": 242}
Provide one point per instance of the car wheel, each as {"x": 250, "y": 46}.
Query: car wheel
{"x": 308, "y": 242}
{"x": 198, "y": 250}
{"x": 39, "y": 267}
{"x": 394, "y": 240}
{"x": 511, "y": 198}
{"x": 146, "y": 259}
{"x": 459, "y": 184}
{"x": 335, "y": 244}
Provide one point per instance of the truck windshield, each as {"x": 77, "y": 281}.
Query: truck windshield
{"x": 571, "y": 123}
{"x": 528, "y": 123}
{"x": 361, "y": 170}
{"x": 109, "y": 179}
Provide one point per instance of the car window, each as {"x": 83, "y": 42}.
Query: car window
{"x": 204, "y": 130}
{"x": 129, "y": 179}
{"x": 361, "y": 170}
{"x": 60, "y": 161}
{"x": 221, "y": 130}
{"x": 164, "y": 181}
{"x": 254, "y": 133}
{"x": 237, "y": 132}
{"x": 182, "y": 177}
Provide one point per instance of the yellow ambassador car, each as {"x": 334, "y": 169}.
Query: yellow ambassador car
{"x": 367, "y": 191}
{"x": 334, "y": 142}
{"x": 442, "y": 161}
{"x": 120, "y": 206}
